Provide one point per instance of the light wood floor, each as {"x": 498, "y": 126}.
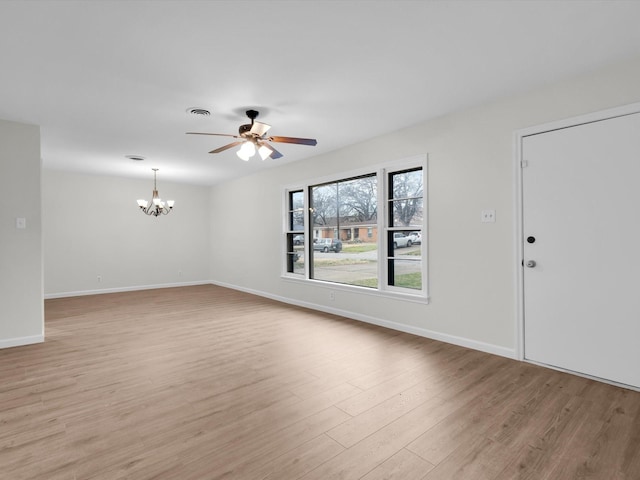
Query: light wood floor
{"x": 204, "y": 383}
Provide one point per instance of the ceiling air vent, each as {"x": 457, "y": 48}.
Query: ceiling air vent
{"x": 198, "y": 111}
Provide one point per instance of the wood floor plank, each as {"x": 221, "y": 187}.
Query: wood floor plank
{"x": 203, "y": 382}
{"x": 480, "y": 417}
{"x": 357, "y": 428}
{"x": 381, "y": 392}
{"x": 404, "y": 465}
{"x": 482, "y": 460}
{"x": 296, "y": 462}
{"x": 247, "y": 458}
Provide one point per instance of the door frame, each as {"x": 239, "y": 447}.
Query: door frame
{"x": 518, "y": 138}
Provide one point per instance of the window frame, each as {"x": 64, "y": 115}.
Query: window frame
{"x": 383, "y": 172}
{"x": 291, "y": 232}
{"x": 390, "y": 230}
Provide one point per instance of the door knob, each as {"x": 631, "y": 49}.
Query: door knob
{"x": 531, "y": 263}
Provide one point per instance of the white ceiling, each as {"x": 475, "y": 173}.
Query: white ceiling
{"x": 105, "y": 79}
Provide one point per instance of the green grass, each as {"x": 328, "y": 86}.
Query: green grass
{"x": 408, "y": 280}
{"x": 359, "y": 247}
{"x": 367, "y": 282}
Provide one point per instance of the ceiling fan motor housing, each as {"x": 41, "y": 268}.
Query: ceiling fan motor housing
{"x": 244, "y": 130}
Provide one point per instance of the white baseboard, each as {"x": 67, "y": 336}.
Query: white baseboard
{"x": 123, "y": 289}
{"x": 422, "y": 332}
{"x": 20, "y": 341}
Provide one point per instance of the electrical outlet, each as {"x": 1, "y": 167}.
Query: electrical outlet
{"x": 99, "y": 278}
{"x": 332, "y": 296}
{"x": 488, "y": 216}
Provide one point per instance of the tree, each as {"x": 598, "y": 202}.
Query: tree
{"x": 358, "y": 200}
{"x": 407, "y": 188}
{"x": 323, "y": 204}
{"x": 355, "y": 200}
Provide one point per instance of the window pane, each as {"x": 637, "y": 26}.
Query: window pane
{"x": 405, "y": 243}
{"x": 295, "y": 253}
{"x": 405, "y": 273}
{"x": 296, "y": 262}
{"x": 296, "y": 210}
{"x": 407, "y": 213}
{"x": 345, "y": 243}
{"x": 407, "y": 184}
{"x": 297, "y": 200}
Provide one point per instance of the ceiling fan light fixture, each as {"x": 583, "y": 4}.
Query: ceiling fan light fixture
{"x": 247, "y": 150}
{"x": 264, "y": 152}
{"x": 242, "y": 155}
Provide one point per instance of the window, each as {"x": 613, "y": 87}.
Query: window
{"x": 295, "y": 232}
{"x": 336, "y": 209}
{"x": 364, "y": 230}
{"x": 404, "y": 228}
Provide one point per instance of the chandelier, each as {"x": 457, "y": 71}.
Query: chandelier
{"x": 156, "y": 206}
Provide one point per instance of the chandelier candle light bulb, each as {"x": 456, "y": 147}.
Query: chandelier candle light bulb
{"x": 156, "y": 206}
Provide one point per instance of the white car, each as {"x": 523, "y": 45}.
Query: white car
{"x": 415, "y": 237}
{"x": 401, "y": 240}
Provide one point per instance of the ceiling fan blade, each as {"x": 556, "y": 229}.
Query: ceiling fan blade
{"x": 226, "y": 147}
{"x": 273, "y": 152}
{"x": 299, "y": 141}
{"x": 216, "y": 134}
{"x": 259, "y": 128}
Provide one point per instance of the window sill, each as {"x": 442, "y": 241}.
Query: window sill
{"x": 391, "y": 294}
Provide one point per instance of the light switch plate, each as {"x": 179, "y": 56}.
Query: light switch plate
{"x": 21, "y": 222}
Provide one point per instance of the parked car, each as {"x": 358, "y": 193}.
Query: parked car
{"x": 401, "y": 240}
{"x": 415, "y": 238}
{"x": 326, "y": 244}
{"x": 298, "y": 240}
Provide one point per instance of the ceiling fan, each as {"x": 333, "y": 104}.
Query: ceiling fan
{"x": 253, "y": 137}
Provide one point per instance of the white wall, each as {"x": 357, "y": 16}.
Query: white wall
{"x": 471, "y": 168}
{"x": 21, "y": 306}
{"x": 93, "y": 227}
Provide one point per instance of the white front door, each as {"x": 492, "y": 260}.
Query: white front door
{"x": 581, "y": 228}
